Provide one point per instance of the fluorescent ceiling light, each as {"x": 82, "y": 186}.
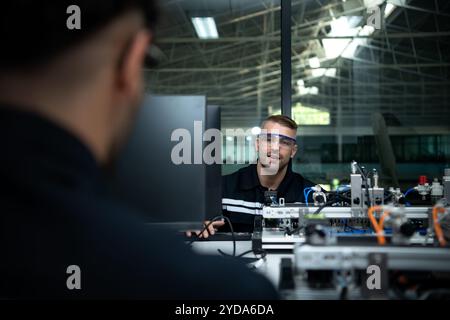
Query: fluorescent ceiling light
{"x": 256, "y": 130}
{"x": 389, "y": 9}
{"x": 330, "y": 72}
{"x": 318, "y": 72}
{"x": 334, "y": 48}
{"x": 372, "y": 3}
{"x": 313, "y": 91}
{"x": 303, "y": 91}
{"x": 353, "y": 45}
{"x": 314, "y": 62}
{"x": 350, "y": 50}
{"x": 345, "y": 26}
{"x": 367, "y": 31}
{"x": 205, "y": 27}
{"x": 341, "y": 27}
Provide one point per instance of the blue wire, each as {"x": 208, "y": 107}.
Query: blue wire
{"x": 342, "y": 188}
{"x": 408, "y": 191}
{"x": 304, "y": 192}
{"x": 306, "y": 198}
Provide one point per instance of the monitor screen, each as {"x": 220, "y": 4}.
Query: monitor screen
{"x": 148, "y": 175}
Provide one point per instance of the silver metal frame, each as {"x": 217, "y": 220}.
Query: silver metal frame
{"x": 309, "y": 257}
{"x": 288, "y": 212}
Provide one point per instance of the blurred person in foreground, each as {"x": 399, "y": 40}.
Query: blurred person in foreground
{"x": 67, "y": 101}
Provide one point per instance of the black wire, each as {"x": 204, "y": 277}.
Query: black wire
{"x": 340, "y": 195}
{"x": 324, "y": 205}
{"x": 388, "y": 196}
{"x": 233, "y": 236}
{"x": 369, "y": 204}
{"x": 244, "y": 253}
{"x": 366, "y": 181}
{"x": 263, "y": 253}
{"x": 343, "y": 293}
{"x": 195, "y": 236}
{"x": 296, "y": 230}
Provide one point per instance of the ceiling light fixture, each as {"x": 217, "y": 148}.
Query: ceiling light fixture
{"x": 205, "y": 27}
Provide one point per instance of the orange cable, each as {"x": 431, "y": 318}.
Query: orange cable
{"x": 437, "y": 225}
{"x": 378, "y": 227}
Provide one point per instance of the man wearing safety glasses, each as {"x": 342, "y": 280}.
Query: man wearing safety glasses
{"x": 245, "y": 192}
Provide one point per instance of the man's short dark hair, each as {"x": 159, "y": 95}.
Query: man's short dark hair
{"x": 35, "y": 31}
{"x": 285, "y": 121}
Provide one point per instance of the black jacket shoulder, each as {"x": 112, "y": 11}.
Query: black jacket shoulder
{"x": 55, "y": 212}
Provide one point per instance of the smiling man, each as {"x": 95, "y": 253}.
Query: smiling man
{"x": 245, "y": 192}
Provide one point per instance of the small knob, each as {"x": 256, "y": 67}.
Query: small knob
{"x": 407, "y": 229}
{"x": 320, "y": 199}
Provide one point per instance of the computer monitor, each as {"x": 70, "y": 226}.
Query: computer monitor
{"x": 179, "y": 196}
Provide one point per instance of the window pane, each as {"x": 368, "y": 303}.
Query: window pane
{"x": 364, "y": 90}
{"x": 238, "y": 69}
